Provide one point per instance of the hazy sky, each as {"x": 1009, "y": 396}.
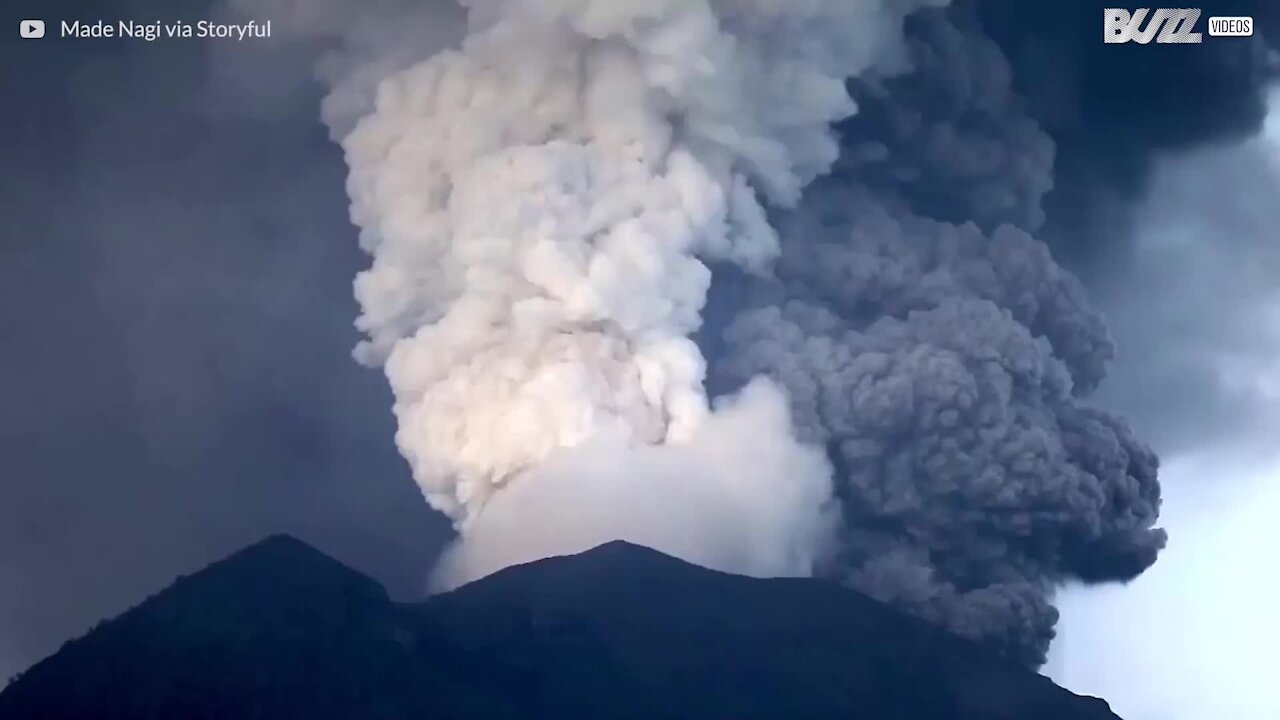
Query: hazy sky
{"x": 1195, "y": 636}
{"x": 176, "y": 319}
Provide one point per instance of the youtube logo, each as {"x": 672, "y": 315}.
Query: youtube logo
{"x": 31, "y": 29}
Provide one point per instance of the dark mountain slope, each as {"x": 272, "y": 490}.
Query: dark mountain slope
{"x": 276, "y": 625}
{"x": 280, "y": 630}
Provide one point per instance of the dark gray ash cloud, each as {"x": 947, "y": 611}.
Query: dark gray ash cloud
{"x": 972, "y": 476}
{"x": 930, "y": 335}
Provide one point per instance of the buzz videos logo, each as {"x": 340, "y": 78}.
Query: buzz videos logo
{"x": 1174, "y": 25}
{"x": 1167, "y": 25}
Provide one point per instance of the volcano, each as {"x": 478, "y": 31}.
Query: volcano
{"x": 621, "y": 631}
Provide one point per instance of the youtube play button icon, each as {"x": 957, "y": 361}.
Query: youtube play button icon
{"x": 31, "y": 29}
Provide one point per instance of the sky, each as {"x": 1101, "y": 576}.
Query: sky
{"x": 175, "y": 315}
{"x": 1193, "y": 637}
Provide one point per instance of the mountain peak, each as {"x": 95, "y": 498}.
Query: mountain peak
{"x": 279, "y": 568}
{"x": 621, "y": 546}
{"x": 280, "y": 542}
{"x": 279, "y": 548}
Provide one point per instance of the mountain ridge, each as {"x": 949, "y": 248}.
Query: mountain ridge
{"x": 281, "y": 629}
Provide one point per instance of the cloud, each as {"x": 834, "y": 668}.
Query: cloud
{"x": 1197, "y": 307}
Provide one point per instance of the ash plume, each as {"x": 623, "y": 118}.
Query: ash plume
{"x": 540, "y": 201}
{"x": 936, "y": 347}
{"x": 924, "y": 356}
{"x": 544, "y": 187}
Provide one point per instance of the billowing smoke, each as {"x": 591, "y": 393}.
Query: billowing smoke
{"x": 539, "y": 202}
{"x": 924, "y": 355}
{"x": 943, "y": 364}
{"x": 738, "y": 493}
{"x": 544, "y": 188}
{"x": 936, "y": 347}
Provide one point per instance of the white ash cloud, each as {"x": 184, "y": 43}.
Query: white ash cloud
{"x": 540, "y": 198}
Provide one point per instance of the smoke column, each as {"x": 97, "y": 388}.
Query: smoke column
{"x": 903, "y": 368}
{"x": 944, "y": 365}
{"x": 927, "y": 336}
{"x": 540, "y": 203}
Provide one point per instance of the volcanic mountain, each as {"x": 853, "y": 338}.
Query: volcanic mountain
{"x": 280, "y": 630}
